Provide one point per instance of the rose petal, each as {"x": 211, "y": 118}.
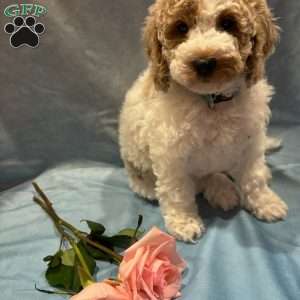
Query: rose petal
{"x": 137, "y": 260}
{"x": 151, "y": 268}
{"x": 102, "y": 291}
{"x": 154, "y": 237}
{"x": 161, "y": 242}
{"x": 167, "y": 279}
{"x": 168, "y": 251}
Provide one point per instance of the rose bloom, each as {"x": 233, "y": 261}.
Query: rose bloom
{"x": 103, "y": 291}
{"x": 150, "y": 270}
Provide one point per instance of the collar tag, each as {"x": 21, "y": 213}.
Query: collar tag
{"x": 213, "y": 99}
{"x": 210, "y": 99}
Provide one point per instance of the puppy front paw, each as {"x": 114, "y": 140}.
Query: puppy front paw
{"x": 184, "y": 227}
{"x": 221, "y": 192}
{"x": 267, "y": 206}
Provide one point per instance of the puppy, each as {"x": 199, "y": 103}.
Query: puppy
{"x": 196, "y": 119}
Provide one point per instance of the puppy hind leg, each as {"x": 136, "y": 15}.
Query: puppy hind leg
{"x": 220, "y": 191}
{"x": 141, "y": 182}
{"x": 259, "y": 199}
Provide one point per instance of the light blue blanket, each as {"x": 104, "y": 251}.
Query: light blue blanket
{"x": 238, "y": 258}
{"x": 60, "y": 102}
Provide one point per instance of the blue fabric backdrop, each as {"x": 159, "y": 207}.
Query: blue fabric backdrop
{"x": 61, "y": 100}
{"x": 58, "y": 116}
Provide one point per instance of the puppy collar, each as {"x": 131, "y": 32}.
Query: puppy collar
{"x": 213, "y": 99}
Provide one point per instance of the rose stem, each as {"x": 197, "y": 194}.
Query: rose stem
{"x": 59, "y": 222}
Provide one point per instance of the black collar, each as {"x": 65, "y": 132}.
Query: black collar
{"x": 213, "y": 99}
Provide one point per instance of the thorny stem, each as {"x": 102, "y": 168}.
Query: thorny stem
{"x": 63, "y": 234}
{"x": 60, "y": 223}
{"x": 51, "y": 215}
{"x": 82, "y": 261}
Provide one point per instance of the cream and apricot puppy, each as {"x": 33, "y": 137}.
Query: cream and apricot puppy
{"x": 198, "y": 115}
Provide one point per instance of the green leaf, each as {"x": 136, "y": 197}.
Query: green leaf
{"x": 102, "y": 239}
{"x": 48, "y": 258}
{"x": 121, "y": 241}
{"x": 116, "y": 241}
{"x": 63, "y": 277}
{"x": 60, "y": 275}
{"x": 133, "y": 233}
{"x": 68, "y": 257}
{"x": 96, "y": 228}
{"x": 76, "y": 280}
{"x": 130, "y": 232}
{"x": 56, "y": 259}
{"x": 85, "y": 279}
{"x": 62, "y": 270}
{"x": 90, "y": 261}
{"x": 128, "y": 236}
{"x": 97, "y": 253}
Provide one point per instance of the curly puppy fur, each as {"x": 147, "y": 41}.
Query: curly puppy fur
{"x": 173, "y": 145}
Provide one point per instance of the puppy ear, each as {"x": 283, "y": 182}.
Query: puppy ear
{"x": 159, "y": 65}
{"x": 264, "y": 41}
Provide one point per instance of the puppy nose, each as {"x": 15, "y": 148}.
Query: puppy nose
{"x": 205, "y": 67}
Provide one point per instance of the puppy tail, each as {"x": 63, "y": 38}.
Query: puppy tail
{"x": 273, "y": 144}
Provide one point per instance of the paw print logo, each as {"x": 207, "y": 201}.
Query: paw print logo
{"x": 24, "y": 31}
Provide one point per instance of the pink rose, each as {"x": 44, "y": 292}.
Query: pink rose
{"x": 103, "y": 291}
{"x": 150, "y": 270}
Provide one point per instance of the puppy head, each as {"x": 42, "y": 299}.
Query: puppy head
{"x": 209, "y": 46}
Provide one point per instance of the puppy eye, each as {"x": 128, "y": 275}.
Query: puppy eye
{"x": 182, "y": 28}
{"x": 177, "y": 31}
{"x": 228, "y": 24}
